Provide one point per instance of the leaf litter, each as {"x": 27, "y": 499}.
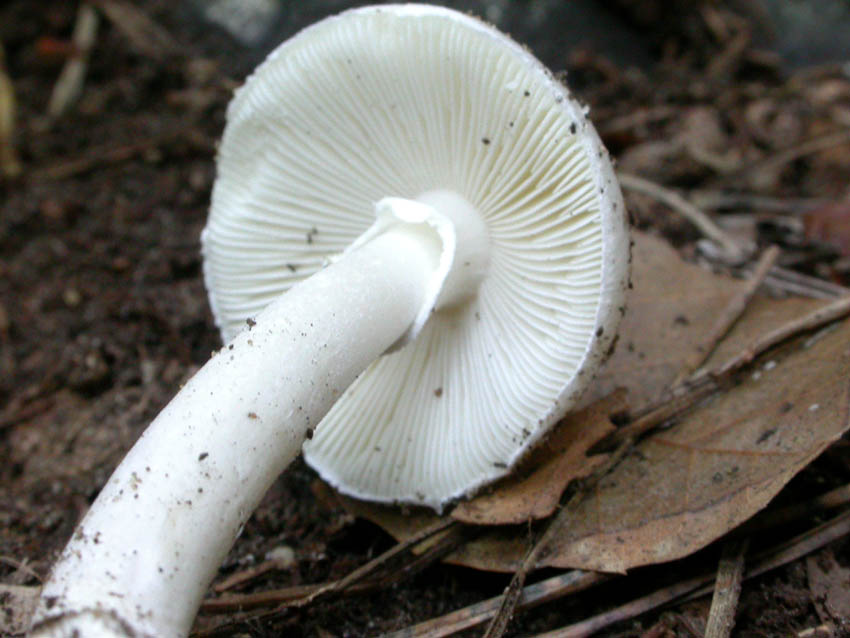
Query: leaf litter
{"x": 683, "y": 487}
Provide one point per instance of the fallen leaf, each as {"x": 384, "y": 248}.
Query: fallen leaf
{"x": 401, "y": 523}
{"x": 829, "y": 584}
{"x": 533, "y": 490}
{"x": 686, "y": 487}
{"x": 683, "y": 488}
{"x": 670, "y": 308}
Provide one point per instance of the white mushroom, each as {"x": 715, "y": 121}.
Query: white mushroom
{"x": 452, "y": 240}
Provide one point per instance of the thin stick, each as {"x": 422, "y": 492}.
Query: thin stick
{"x": 793, "y": 549}
{"x": 733, "y": 311}
{"x": 290, "y": 598}
{"x": 247, "y": 575}
{"x": 728, "y": 60}
{"x": 10, "y": 166}
{"x": 679, "y": 398}
{"x": 727, "y": 590}
{"x": 821, "y": 631}
{"x": 70, "y": 83}
{"x": 629, "y": 610}
{"x": 701, "y": 585}
{"x": 513, "y": 592}
{"x": 721, "y": 200}
{"x": 447, "y": 543}
{"x": 550, "y": 589}
{"x": 838, "y": 497}
{"x": 575, "y": 581}
{"x": 104, "y": 155}
{"x": 269, "y": 598}
{"x": 804, "y": 285}
{"x": 807, "y": 147}
{"x": 21, "y": 567}
{"x": 797, "y": 547}
{"x": 306, "y": 594}
{"x": 19, "y": 411}
{"x": 816, "y": 319}
{"x": 635, "y": 119}
{"x": 682, "y": 206}
{"x": 670, "y": 405}
{"x": 145, "y": 36}
{"x": 363, "y": 571}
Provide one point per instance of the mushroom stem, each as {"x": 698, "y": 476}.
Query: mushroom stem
{"x": 145, "y": 553}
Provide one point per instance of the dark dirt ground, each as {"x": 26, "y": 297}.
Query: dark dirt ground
{"x": 103, "y": 312}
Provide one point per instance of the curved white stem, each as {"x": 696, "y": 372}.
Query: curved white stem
{"x": 141, "y": 560}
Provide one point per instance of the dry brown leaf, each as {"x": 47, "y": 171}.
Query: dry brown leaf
{"x": 683, "y": 488}
{"x": 401, "y": 523}
{"x": 670, "y": 309}
{"x": 829, "y": 584}
{"x": 534, "y": 489}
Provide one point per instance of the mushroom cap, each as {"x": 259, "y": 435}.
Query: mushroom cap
{"x": 401, "y": 100}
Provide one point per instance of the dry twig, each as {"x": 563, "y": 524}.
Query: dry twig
{"x": 631, "y": 609}
{"x": 722, "y": 200}
{"x": 795, "y": 283}
{"x": 284, "y": 600}
{"x": 730, "y": 315}
{"x": 702, "y": 585}
{"x": 10, "y": 166}
{"x": 729, "y": 59}
{"x": 550, "y": 589}
{"x": 21, "y": 566}
{"x": 257, "y": 600}
{"x": 70, "y": 83}
{"x": 109, "y": 154}
{"x": 454, "y": 538}
{"x": 514, "y": 590}
{"x": 727, "y": 589}
{"x": 362, "y": 579}
{"x": 251, "y": 573}
{"x": 821, "y": 631}
{"x": 576, "y": 581}
{"x": 731, "y": 250}
{"x": 797, "y": 151}
{"x": 793, "y": 549}
{"x": 681, "y": 397}
{"x": 361, "y": 573}
{"x": 635, "y": 119}
{"x": 839, "y": 497}
{"x": 812, "y": 321}
{"x": 19, "y": 411}
{"x": 145, "y": 36}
